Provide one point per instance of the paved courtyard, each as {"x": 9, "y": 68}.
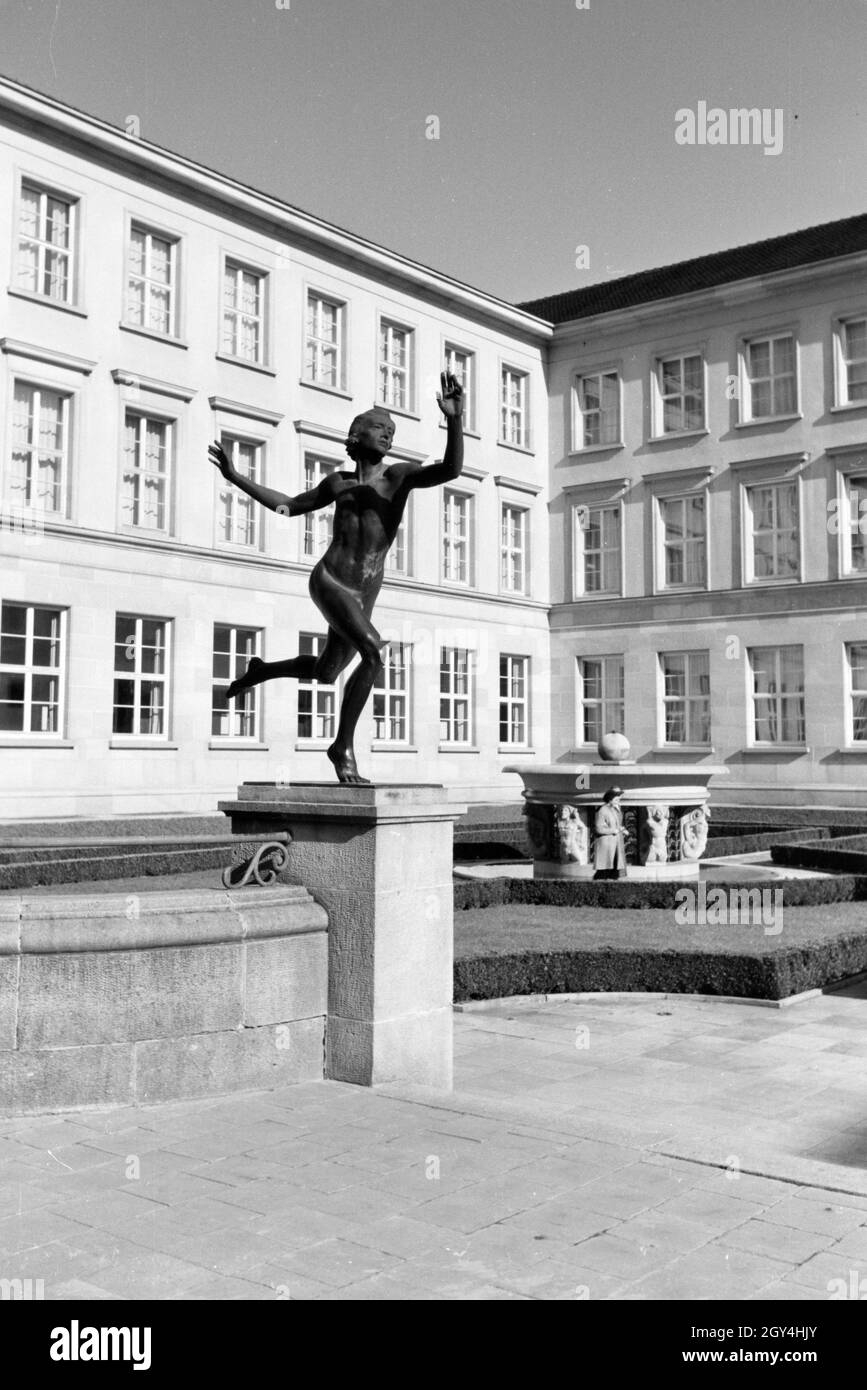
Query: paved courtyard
{"x": 623, "y": 1148}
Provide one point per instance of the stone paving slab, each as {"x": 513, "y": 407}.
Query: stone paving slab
{"x": 629, "y": 1148}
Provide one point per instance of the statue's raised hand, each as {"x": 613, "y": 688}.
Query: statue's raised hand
{"x": 220, "y": 459}
{"x": 450, "y": 398}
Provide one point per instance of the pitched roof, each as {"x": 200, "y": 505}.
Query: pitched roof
{"x": 822, "y": 243}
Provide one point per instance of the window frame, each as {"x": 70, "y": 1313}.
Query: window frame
{"x": 658, "y": 499}
{"x": 449, "y": 346}
{"x": 239, "y": 263}
{"x": 232, "y": 437}
{"x": 581, "y": 701}
{"x": 657, "y": 399}
{"x": 447, "y": 546}
{"x": 69, "y": 398}
{"x": 687, "y": 699}
{"x": 839, "y": 324}
{"x": 137, "y": 739}
{"x": 507, "y": 504}
{"x": 579, "y": 549}
{"x": 392, "y": 321}
{"x": 749, "y": 577}
{"x": 314, "y": 740}
{"x": 850, "y": 693}
{"x": 234, "y": 739}
{"x": 524, "y": 702}
{"x": 135, "y": 222}
{"x": 388, "y": 694}
{"x": 578, "y": 433}
{"x": 143, "y": 412}
{"x": 450, "y": 744}
{"x": 745, "y": 415}
{"x": 28, "y": 669}
{"x": 50, "y": 188}
{"x": 525, "y": 446}
{"x": 768, "y": 744}
{"x": 341, "y": 304}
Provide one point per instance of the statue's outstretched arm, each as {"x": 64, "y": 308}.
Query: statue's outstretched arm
{"x": 320, "y": 496}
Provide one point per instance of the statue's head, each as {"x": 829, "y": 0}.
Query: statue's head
{"x": 371, "y": 432}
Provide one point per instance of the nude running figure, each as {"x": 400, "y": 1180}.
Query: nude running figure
{"x": 345, "y": 583}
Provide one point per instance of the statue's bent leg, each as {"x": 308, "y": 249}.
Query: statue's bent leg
{"x": 347, "y": 617}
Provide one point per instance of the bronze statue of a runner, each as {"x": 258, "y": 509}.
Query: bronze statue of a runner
{"x": 344, "y": 584}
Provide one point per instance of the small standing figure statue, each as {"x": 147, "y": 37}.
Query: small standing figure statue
{"x": 655, "y": 835}
{"x": 609, "y": 850}
{"x": 345, "y": 583}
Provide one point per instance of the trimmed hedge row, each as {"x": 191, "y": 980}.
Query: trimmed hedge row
{"x": 845, "y": 854}
{"x": 623, "y": 893}
{"x": 719, "y": 847}
{"x": 776, "y": 975}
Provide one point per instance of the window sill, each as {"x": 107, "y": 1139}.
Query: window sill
{"x": 770, "y": 749}
{"x": 461, "y": 585}
{"x": 508, "y": 749}
{"x": 313, "y": 745}
{"x": 677, "y": 434}
{"x": 596, "y": 448}
{"x": 516, "y": 448}
{"x": 851, "y": 751}
{"x": 151, "y": 333}
{"x": 243, "y": 362}
{"x": 33, "y": 741}
{"x": 457, "y": 748}
{"x": 592, "y": 598}
{"x": 767, "y": 420}
{"x": 238, "y": 745}
{"x": 665, "y": 589}
{"x": 847, "y": 406}
{"x": 773, "y": 583}
{"x": 329, "y": 390}
{"x": 47, "y": 300}
{"x": 383, "y": 746}
{"x": 515, "y": 593}
{"x": 140, "y": 744}
{"x": 673, "y": 749}
{"x": 397, "y": 410}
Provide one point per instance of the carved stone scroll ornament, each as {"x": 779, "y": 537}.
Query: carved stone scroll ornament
{"x": 693, "y": 833}
{"x": 257, "y": 863}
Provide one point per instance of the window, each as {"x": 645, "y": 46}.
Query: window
{"x": 391, "y": 695}
{"x": 146, "y": 471}
{"x": 140, "y": 676}
{"x": 31, "y": 663}
{"x": 46, "y": 230}
{"x": 775, "y": 551}
{"x": 397, "y": 561}
{"x": 598, "y": 417}
{"x": 317, "y": 525}
{"x": 851, "y": 342}
{"x": 771, "y": 380}
{"x": 514, "y": 408}
{"x": 597, "y": 540}
{"x": 778, "y": 694}
{"x": 40, "y": 448}
{"x": 457, "y": 537}
{"x": 243, "y": 331}
{"x": 680, "y": 387}
{"x": 683, "y": 540}
{"x": 237, "y": 718}
{"x": 854, "y": 528}
{"x": 601, "y": 697}
{"x": 462, "y": 364}
{"x": 151, "y": 281}
{"x": 513, "y": 548}
{"x": 238, "y": 514}
{"x": 685, "y": 697}
{"x": 456, "y": 695}
{"x": 396, "y": 345}
{"x": 856, "y": 661}
{"x": 323, "y": 344}
{"x": 317, "y": 703}
{"x": 514, "y": 699}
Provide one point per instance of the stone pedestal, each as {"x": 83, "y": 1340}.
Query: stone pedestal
{"x": 379, "y": 860}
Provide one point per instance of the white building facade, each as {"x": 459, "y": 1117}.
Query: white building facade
{"x": 152, "y": 306}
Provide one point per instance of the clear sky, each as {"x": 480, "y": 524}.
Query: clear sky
{"x": 556, "y": 124}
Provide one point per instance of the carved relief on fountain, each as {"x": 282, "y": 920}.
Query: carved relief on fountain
{"x": 654, "y": 834}
{"x": 693, "y": 830}
{"x": 571, "y": 835}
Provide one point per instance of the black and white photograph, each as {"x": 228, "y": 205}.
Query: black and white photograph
{"x": 433, "y": 665}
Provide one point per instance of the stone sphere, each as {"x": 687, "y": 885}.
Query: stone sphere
{"x": 613, "y": 748}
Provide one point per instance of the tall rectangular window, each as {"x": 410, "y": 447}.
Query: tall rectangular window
{"x": 140, "y": 676}
{"x": 317, "y": 525}
{"x": 238, "y": 515}
{"x": 852, "y": 370}
{"x": 773, "y": 509}
{"x": 323, "y": 343}
{"x": 243, "y": 330}
{"x": 680, "y": 383}
{"x": 31, "y": 666}
{"x": 598, "y": 543}
{"x": 317, "y": 703}
{"x": 457, "y": 537}
{"x": 601, "y": 697}
{"x": 46, "y": 230}
{"x": 514, "y": 407}
{"x": 685, "y": 696}
{"x": 397, "y": 561}
{"x": 151, "y": 281}
{"x": 771, "y": 378}
{"x": 462, "y": 364}
{"x": 514, "y": 700}
{"x": 854, "y": 530}
{"x": 778, "y": 694}
{"x": 233, "y": 649}
{"x": 856, "y": 658}
{"x": 513, "y": 548}
{"x": 396, "y": 344}
{"x": 598, "y": 420}
{"x": 40, "y": 448}
{"x": 146, "y": 472}
{"x": 391, "y": 695}
{"x": 683, "y": 540}
{"x": 456, "y": 695}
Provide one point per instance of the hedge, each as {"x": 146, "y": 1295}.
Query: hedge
{"x": 641, "y": 893}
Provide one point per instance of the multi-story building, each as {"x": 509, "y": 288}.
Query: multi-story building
{"x": 661, "y": 526}
{"x": 152, "y": 306}
{"x": 708, "y": 533}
